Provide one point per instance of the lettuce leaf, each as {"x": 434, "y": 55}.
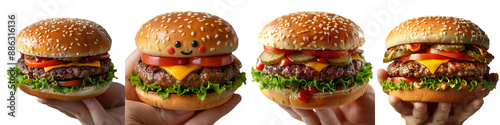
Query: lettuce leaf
{"x": 200, "y": 91}
{"x": 294, "y": 83}
{"x": 44, "y": 83}
{"x": 434, "y": 84}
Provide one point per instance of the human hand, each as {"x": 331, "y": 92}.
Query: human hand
{"x": 432, "y": 113}
{"x": 107, "y": 108}
{"x": 142, "y": 113}
{"x": 359, "y": 112}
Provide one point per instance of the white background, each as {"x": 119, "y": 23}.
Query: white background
{"x": 123, "y": 19}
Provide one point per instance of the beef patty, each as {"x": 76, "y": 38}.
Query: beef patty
{"x": 65, "y": 73}
{"x": 450, "y": 69}
{"x": 218, "y": 75}
{"x": 308, "y": 73}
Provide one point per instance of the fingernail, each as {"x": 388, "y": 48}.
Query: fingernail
{"x": 445, "y": 106}
{"x": 477, "y": 105}
{"x": 43, "y": 101}
{"x": 181, "y": 112}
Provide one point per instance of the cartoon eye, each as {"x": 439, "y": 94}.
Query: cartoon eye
{"x": 194, "y": 43}
{"x": 177, "y": 44}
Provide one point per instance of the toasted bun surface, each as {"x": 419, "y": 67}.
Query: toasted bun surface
{"x": 437, "y": 29}
{"x": 317, "y": 100}
{"x": 448, "y": 95}
{"x": 212, "y": 33}
{"x": 186, "y": 101}
{"x": 312, "y": 31}
{"x": 63, "y": 37}
{"x": 48, "y": 93}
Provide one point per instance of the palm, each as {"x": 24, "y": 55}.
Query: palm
{"x": 360, "y": 111}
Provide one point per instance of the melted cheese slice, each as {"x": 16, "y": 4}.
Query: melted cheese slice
{"x": 356, "y": 57}
{"x": 316, "y": 65}
{"x": 93, "y": 64}
{"x": 432, "y": 65}
{"x": 180, "y": 71}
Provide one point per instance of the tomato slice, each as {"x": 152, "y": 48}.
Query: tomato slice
{"x": 354, "y": 50}
{"x": 69, "y": 82}
{"x": 285, "y": 62}
{"x": 212, "y": 60}
{"x": 407, "y": 80}
{"x": 326, "y": 53}
{"x": 423, "y": 56}
{"x": 95, "y": 58}
{"x": 321, "y": 60}
{"x": 40, "y": 62}
{"x": 162, "y": 61}
{"x": 269, "y": 49}
{"x": 451, "y": 54}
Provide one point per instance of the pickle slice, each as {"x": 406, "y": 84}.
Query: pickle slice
{"x": 449, "y": 47}
{"x": 340, "y": 61}
{"x": 270, "y": 58}
{"x": 300, "y": 58}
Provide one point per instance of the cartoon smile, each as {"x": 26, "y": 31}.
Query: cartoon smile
{"x": 187, "y": 53}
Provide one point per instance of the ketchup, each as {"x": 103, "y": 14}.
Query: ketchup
{"x": 259, "y": 66}
{"x": 304, "y": 94}
{"x": 285, "y": 62}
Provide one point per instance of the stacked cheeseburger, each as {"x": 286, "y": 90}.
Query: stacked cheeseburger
{"x": 187, "y": 61}
{"x": 63, "y": 59}
{"x": 438, "y": 59}
{"x": 311, "y": 60}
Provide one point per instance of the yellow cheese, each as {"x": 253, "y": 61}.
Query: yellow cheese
{"x": 356, "y": 57}
{"x": 316, "y": 65}
{"x": 94, "y": 64}
{"x": 432, "y": 65}
{"x": 180, "y": 71}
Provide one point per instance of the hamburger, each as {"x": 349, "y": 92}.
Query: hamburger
{"x": 187, "y": 61}
{"x": 63, "y": 59}
{"x": 312, "y": 60}
{"x": 438, "y": 59}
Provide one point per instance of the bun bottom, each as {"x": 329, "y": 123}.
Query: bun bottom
{"x": 48, "y": 93}
{"x": 448, "y": 95}
{"x": 187, "y": 102}
{"x": 317, "y": 100}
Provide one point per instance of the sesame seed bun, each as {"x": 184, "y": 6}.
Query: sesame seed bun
{"x": 48, "y": 93}
{"x": 63, "y": 37}
{"x": 318, "y": 100}
{"x": 312, "y": 31}
{"x": 213, "y": 34}
{"x": 437, "y": 29}
{"x": 185, "y": 102}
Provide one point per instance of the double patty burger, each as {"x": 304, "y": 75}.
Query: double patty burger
{"x": 438, "y": 59}
{"x": 186, "y": 62}
{"x": 311, "y": 60}
{"x": 63, "y": 59}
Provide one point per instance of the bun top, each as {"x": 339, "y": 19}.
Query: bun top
{"x": 437, "y": 29}
{"x": 186, "y": 34}
{"x": 63, "y": 37}
{"x": 312, "y": 31}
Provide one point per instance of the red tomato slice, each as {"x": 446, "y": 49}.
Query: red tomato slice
{"x": 269, "y": 49}
{"x": 321, "y": 60}
{"x": 407, "y": 80}
{"x": 285, "y": 62}
{"x": 162, "y": 61}
{"x": 40, "y": 62}
{"x": 212, "y": 60}
{"x": 69, "y": 82}
{"x": 326, "y": 53}
{"x": 95, "y": 58}
{"x": 353, "y": 50}
{"x": 422, "y": 56}
{"x": 451, "y": 54}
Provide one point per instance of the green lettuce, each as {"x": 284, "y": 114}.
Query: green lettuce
{"x": 294, "y": 83}
{"x": 433, "y": 83}
{"x": 200, "y": 91}
{"x": 44, "y": 83}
